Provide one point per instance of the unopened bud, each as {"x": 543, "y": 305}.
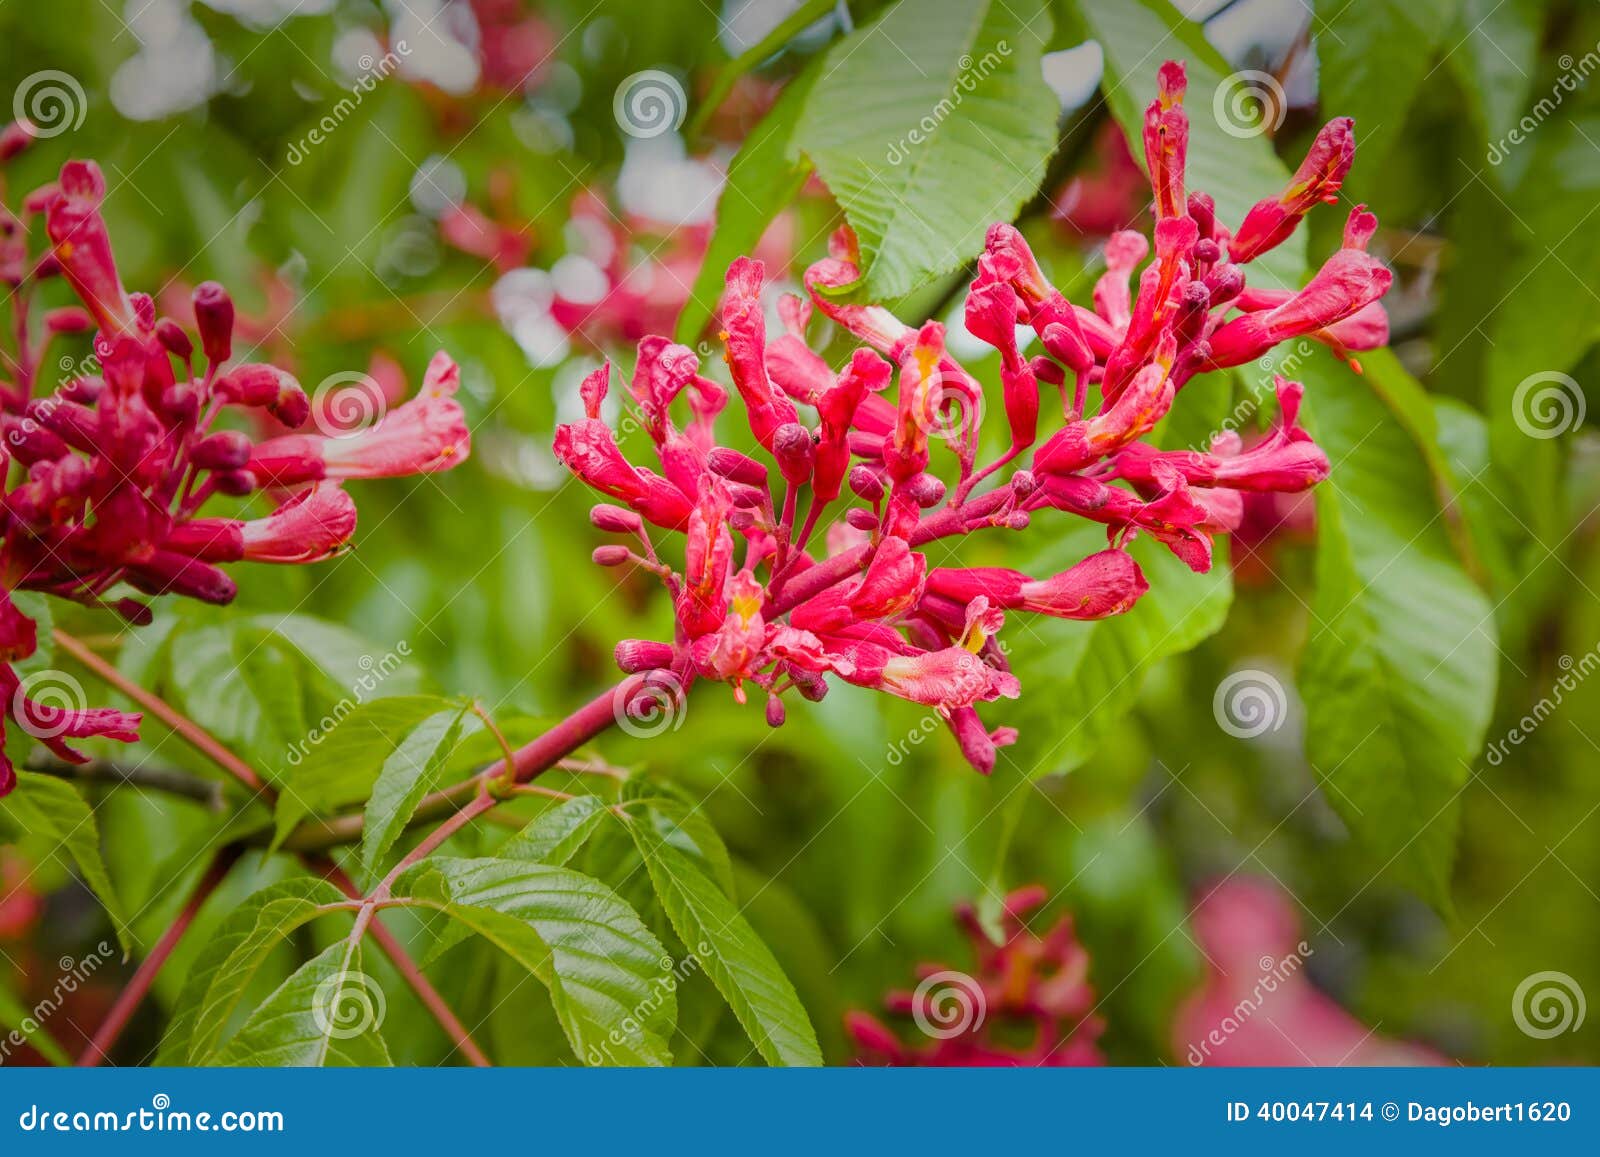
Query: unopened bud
{"x": 181, "y": 403}
{"x": 224, "y": 450}
{"x": 614, "y": 519}
{"x": 635, "y": 655}
{"x": 15, "y": 137}
{"x": 925, "y": 490}
{"x": 737, "y": 467}
{"x": 775, "y": 712}
{"x": 1204, "y": 211}
{"x": 611, "y": 555}
{"x": 172, "y": 338}
{"x": 812, "y": 686}
{"x": 69, "y": 319}
{"x": 236, "y": 483}
{"x": 292, "y": 407}
{"x": 861, "y": 518}
{"x": 213, "y": 314}
{"x": 865, "y": 483}
{"x": 793, "y": 448}
{"x": 1023, "y": 483}
{"x": 1018, "y": 520}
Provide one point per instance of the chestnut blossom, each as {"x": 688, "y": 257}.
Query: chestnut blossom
{"x": 108, "y": 474}
{"x": 763, "y": 600}
{"x": 1027, "y": 1001}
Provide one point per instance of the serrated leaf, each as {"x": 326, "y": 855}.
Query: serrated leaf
{"x": 231, "y": 959}
{"x": 51, "y": 809}
{"x": 1100, "y": 666}
{"x": 328, "y": 1012}
{"x": 929, "y": 125}
{"x": 611, "y": 982}
{"x": 680, "y": 821}
{"x": 340, "y": 767}
{"x": 732, "y": 955}
{"x": 406, "y": 776}
{"x": 555, "y": 836}
{"x": 763, "y": 178}
{"x": 1237, "y": 168}
{"x": 1398, "y": 676}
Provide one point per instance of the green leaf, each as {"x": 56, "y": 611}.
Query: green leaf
{"x": 929, "y": 125}
{"x": 340, "y": 765}
{"x": 803, "y": 17}
{"x": 52, "y": 810}
{"x": 327, "y": 1013}
{"x": 247, "y": 685}
{"x": 1236, "y": 167}
{"x": 1098, "y": 667}
{"x": 407, "y": 775}
{"x": 680, "y": 821}
{"x": 763, "y": 177}
{"x": 611, "y": 982}
{"x": 555, "y": 836}
{"x": 231, "y": 959}
{"x": 15, "y": 1017}
{"x": 1494, "y": 52}
{"x": 1398, "y": 676}
{"x": 730, "y": 952}
{"x": 1373, "y": 58}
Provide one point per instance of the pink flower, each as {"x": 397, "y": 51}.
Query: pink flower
{"x": 83, "y": 247}
{"x": 1257, "y": 1006}
{"x": 866, "y": 609}
{"x": 1270, "y": 222}
{"x": 1026, "y": 1001}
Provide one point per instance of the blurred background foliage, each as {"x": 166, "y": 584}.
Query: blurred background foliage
{"x": 851, "y": 835}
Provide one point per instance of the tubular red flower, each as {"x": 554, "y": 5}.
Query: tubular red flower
{"x": 83, "y": 248}
{"x": 1319, "y": 178}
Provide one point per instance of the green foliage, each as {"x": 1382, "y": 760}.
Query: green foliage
{"x": 927, "y": 125}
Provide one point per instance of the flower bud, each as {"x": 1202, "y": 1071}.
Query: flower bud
{"x": 865, "y": 483}
{"x": 85, "y": 391}
{"x": 15, "y": 137}
{"x": 793, "y": 448}
{"x": 224, "y": 450}
{"x": 615, "y": 519}
{"x": 812, "y": 686}
{"x": 925, "y": 490}
{"x": 861, "y": 518}
{"x": 172, "y": 338}
{"x": 133, "y": 611}
{"x": 737, "y": 467}
{"x": 69, "y": 319}
{"x": 213, "y": 314}
{"x": 180, "y": 403}
{"x": 1023, "y": 483}
{"x": 611, "y": 555}
{"x": 292, "y": 407}
{"x": 236, "y": 483}
{"x": 635, "y": 655}
{"x": 741, "y": 520}
{"x": 775, "y": 712}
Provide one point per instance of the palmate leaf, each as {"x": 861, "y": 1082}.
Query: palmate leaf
{"x": 611, "y": 982}
{"x": 1398, "y": 675}
{"x": 729, "y": 951}
{"x": 328, "y": 1012}
{"x": 929, "y": 125}
{"x": 1227, "y": 157}
{"x": 231, "y": 959}
{"x": 51, "y": 810}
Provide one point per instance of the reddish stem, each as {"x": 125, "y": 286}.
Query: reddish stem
{"x": 187, "y": 729}
{"x": 128, "y": 1000}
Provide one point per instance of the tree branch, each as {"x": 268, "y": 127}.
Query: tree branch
{"x": 207, "y": 792}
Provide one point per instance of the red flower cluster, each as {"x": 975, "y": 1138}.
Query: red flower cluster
{"x": 755, "y": 606}
{"x": 1030, "y": 988}
{"x": 107, "y": 474}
